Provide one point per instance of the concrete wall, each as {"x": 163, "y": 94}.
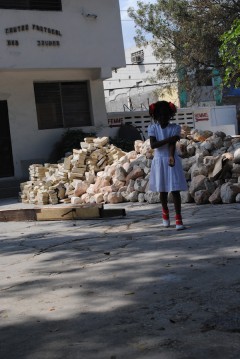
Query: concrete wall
{"x": 85, "y": 42}
{"x": 134, "y": 82}
{"x": 216, "y": 118}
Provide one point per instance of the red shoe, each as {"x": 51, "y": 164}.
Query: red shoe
{"x": 165, "y": 218}
{"x": 179, "y": 223}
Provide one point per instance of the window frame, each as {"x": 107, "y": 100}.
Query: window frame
{"x": 137, "y": 57}
{"x": 42, "y": 92}
{"x": 32, "y": 5}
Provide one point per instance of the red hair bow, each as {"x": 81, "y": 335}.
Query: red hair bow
{"x": 172, "y": 107}
{"x": 152, "y": 109}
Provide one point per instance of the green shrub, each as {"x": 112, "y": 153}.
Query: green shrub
{"x": 125, "y": 145}
{"x": 70, "y": 139}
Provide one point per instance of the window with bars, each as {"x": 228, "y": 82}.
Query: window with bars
{"x": 45, "y": 5}
{"x": 62, "y": 104}
{"x": 137, "y": 57}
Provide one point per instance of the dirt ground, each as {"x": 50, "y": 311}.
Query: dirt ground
{"x": 122, "y": 288}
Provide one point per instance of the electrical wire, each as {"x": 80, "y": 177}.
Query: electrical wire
{"x": 140, "y": 86}
{"x": 151, "y": 63}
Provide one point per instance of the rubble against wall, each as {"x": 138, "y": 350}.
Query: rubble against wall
{"x": 102, "y": 173}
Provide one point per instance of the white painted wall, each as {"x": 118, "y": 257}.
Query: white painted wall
{"x": 124, "y": 83}
{"x": 216, "y": 118}
{"x": 85, "y": 42}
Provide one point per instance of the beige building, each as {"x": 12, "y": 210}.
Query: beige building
{"x": 54, "y": 56}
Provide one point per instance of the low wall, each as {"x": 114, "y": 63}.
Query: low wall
{"x": 217, "y": 118}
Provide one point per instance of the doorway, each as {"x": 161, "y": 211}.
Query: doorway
{"x": 6, "y": 158}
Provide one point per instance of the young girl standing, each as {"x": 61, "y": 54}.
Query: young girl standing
{"x": 166, "y": 171}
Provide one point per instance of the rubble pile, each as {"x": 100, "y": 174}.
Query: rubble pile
{"x": 102, "y": 173}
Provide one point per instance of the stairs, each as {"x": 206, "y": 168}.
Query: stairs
{"x": 9, "y": 187}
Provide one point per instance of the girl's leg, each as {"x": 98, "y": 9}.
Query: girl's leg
{"x": 177, "y": 202}
{"x": 165, "y": 212}
{"x": 164, "y": 200}
{"x": 177, "y": 205}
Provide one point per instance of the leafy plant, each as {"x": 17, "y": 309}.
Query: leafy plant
{"x": 184, "y": 35}
{"x": 70, "y": 139}
{"x": 230, "y": 54}
{"x": 125, "y": 145}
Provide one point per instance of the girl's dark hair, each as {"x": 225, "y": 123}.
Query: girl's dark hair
{"x": 162, "y": 109}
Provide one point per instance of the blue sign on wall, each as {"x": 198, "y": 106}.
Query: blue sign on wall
{"x": 231, "y": 91}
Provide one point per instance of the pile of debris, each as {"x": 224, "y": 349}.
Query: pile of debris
{"x": 102, "y": 173}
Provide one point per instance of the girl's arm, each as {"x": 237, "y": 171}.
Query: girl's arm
{"x": 172, "y": 149}
{"x": 170, "y": 140}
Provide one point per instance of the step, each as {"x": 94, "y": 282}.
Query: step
{"x": 9, "y": 188}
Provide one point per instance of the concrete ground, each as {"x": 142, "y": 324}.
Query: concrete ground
{"x": 122, "y": 288}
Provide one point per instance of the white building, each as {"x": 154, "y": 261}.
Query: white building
{"x": 132, "y": 88}
{"x": 54, "y": 56}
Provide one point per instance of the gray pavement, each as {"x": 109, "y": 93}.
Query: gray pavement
{"x": 122, "y": 288}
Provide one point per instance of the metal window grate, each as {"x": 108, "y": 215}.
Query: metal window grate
{"x": 45, "y": 5}
{"x": 137, "y": 57}
{"x": 48, "y": 105}
{"x": 75, "y": 102}
{"x": 62, "y": 104}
